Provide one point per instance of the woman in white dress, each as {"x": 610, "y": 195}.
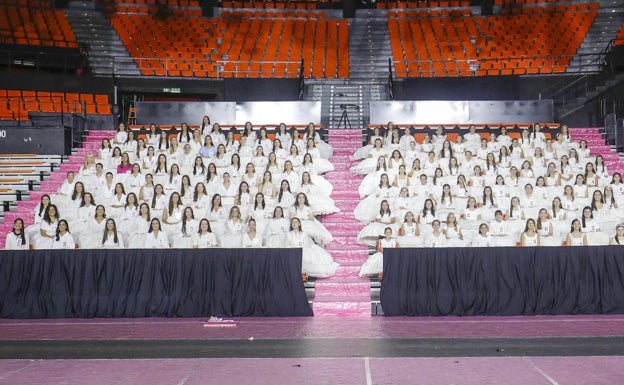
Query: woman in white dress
{"x": 155, "y": 237}
{"x": 217, "y": 215}
{"x": 319, "y": 199}
{"x": 140, "y": 227}
{"x": 453, "y": 232}
{"x": 311, "y": 225}
{"x": 251, "y": 238}
{"x": 146, "y": 192}
{"x": 92, "y": 239}
{"x": 276, "y": 228}
{"x": 234, "y": 229}
{"x": 325, "y": 149}
{"x": 545, "y": 229}
{"x": 16, "y": 239}
{"x": 172, "y": 215}
{"x": 483, "y": 238}
{"x": 363, "y": 152}
{"x": 158, "y": 202}
{"x": 189, "y": 226}
{"x": 186, "y": 190}
{"x": 576, "y": 236}
{"x": 161, "y": 171}
{"x": 105, "y": 151}
{"x": 370, "y": 163}
{"x": 435, "y": 238}
{"x": 204, "y": 238}
{"x": 135, "y": 180}
{"x": 372, "y": 231}
{"x": 63, "y": 238}
{"x": 374, "y": 263}
{"x": 316, "y": 262}
{"x": 130, "y": 212}
{"x": 150, "y": 160}
{"x": 529, "y": 236}
{"x": 47, "y": 228}
{"x": 618, "y": 239}
{"x": 321, "y": 165}
{"x": 86, "y": 211}
{"x": 110, "y": 238}
{"x": 117, "y": 202}
{"x": 199, "y": 171}
{"x": 268, "y": 189}
{"x": 409, "y": 232}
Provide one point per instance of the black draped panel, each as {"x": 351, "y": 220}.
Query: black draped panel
{"x": 503, "y": 281}
{"x": 152, "y": 283}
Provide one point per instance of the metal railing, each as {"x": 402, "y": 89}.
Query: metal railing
{"x": 511, "y": 65}
{"x": 202, "y": 68}
{"x": 582, "y": 81}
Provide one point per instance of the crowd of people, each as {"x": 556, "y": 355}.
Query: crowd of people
{"x": 198, "y": 188}
{"x": 499, "y": 190}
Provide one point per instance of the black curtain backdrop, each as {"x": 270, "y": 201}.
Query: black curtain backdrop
{"x": 503, "y": 281}
{"x": 152, "y": 283}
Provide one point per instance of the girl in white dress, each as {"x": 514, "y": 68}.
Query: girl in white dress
{"x": 130, "y": 212}
{"x": 321, "y": 165}
{"x": 319, "y": 198}
{"x": 372, "y": 231}
{"x": 325, "y": 149}
{"x": 140, "y": 227}
{"x": 47, "y": 228}
{"x": 172, "y": 215}
{"x": 374, "y": 263}
{"x": 161, "y": 171}
{"x": 251, "y": 238}
{"x": 285, "y": 197}
{"x": 316, "y": 262}
{"x": 188, "y": 228}
{"x": 529, "y": 236}
{"x": 186, "y": 190}
{"x": 155, "y": 237}
{"x": 153, "y": 136}
{"x": 227, "y": 190}
{"x": 117, "y": 202}
{"x": 276, "y": 228}
{"x": 545, "y": 229}
{"x": 370, "y": 163}
{"x": 453, "y": 232}
{"x": 150, "y": 160}
{"x": 135, "y": 180}
{"x": 146, "y": 192}
{"x": 110, "y": 238}
{"x": 483, "y": 238}
{"x": 436, "y": 237}
{"x": 16, "y": 239}
{"x": 174, "y": 180}
{"x": 204, "y": 238}
{"x": 363, "y": 152}
{"x": 105, "y": 151}
{"x": 409, "y": 232}
{"x": 234, "y": 229}
{"x": 268, "y": 189}
{"x": 92, "y": 239}
{"x": 158, "y": 202}
{"x": 618, "y": 239}
{"x": 576, "y": 236}
{"x": 63, "y": 238}
{"x": 312, "y": 226}
{"x": 198, "y": 172}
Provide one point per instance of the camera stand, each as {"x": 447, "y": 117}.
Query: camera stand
{"x": 344, "y": 119}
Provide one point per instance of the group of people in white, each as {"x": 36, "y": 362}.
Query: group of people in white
{"x": 484, "y": 190}
{"x": 193, "y": 188}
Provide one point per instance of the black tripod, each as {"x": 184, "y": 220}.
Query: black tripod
{"x": 344, "y": 119}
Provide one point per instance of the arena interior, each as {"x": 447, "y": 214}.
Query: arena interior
{"x": 311, "y": 192}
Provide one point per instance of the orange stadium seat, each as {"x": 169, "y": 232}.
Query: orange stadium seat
{"x": 425, "y": 43}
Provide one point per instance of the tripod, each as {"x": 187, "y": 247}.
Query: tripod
{"x": 344, "y": 119}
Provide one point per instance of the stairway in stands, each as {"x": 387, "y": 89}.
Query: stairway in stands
{"x": 106, "y": 51}
{"x": 345, "y": 294}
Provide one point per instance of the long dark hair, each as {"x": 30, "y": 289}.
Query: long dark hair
{"x": 21, "y": 235}
{"x": 115, "y": 236}
{"x": 58, "y": 236}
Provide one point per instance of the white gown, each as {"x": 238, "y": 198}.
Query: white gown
{"x": 316, "y": 262}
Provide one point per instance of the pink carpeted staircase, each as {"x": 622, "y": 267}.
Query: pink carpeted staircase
{"x": 345, "y": 294}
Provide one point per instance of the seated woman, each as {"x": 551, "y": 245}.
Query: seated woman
{"x": 251, "y": 238}
{"x": 16, "y": 239}
{"x": 111, "y": 239}
{"x": 374, "y": 263}
{"x": 529, "y": 236}
{"x": 436, "y": 237}
{"x": 500, "y": 231}
{"x": 483, "y": 238}
{"x": 204, "y": 238}
{"x": 63, "y": 238}
{"x": 276, "y": 228}
{"x": 316, "y": 262}
{"x": 409, "y": 232}
{"x": 576, "y": 236}
{"x": 545, "y": 229}
{"x": 189, "y": 226}
{"x": 384, "y": 218}
{"x": 453, "y": 232}
{"x": 156, "y": 238}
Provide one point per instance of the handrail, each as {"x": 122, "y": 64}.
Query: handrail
{"x": 301, "y": 82}
{"x": 473, "y": 67}
{"x": 168, "y": 67}
{"x": 390, "y": 80}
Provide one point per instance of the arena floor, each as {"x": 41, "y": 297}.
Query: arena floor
{"x": 536, "y": 350}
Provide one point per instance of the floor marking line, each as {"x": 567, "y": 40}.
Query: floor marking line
{"x": 540, "y": 371}
{"x": 369, "y": 378}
